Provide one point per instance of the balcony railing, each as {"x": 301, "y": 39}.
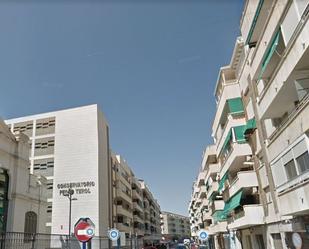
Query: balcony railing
{"x": 298, "y": 108}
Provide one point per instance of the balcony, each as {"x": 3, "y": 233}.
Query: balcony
{"x": 235, "y": 157}
{"x": 212, "y": 189}
{"x": 212, "y": 170}
{"x": 216, "y": 206}
{"x": 291, "y": 176}
{"x": 137, "y": 218}
{"x": 244, "y": 179}
{"x": 280, "y": 73}
{"x": 205, "y": 203}
{"x": 253, "y": 20}
{"x": 139, "y": 231}
{"x": 209, "y": 157}
{"x": 123, "y": 227}
{"x": 138, "y": 207}
{"x": 231, "y": 91}
{"x": 123, "y": 195}
{"x": 122, "y": 211}
{"x": 295, "y": 201}
{"x": 251, "y": 215}
{"x": 201, "y": 179}
{"x": 219, "y": 227}
{"x": 136, "y": 195}
{"x": 234, "y": 117}
{"x": 202, "y": 193}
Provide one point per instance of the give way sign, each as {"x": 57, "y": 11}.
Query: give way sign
{"x": 84, "y": 229}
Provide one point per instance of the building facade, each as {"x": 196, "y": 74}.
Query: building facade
{"x": 23, "y": 196}
{"x": 259, "y": 196}
{"x": 122, "y": 195}
{"x": 136, "y": 211}
{"x": 151, "y": 214}
{"x": 175, "y": 226}
{"x": 71, "y": 149}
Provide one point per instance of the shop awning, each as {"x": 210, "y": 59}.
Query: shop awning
{"x": 223, "y": 179}
{"x": 232, "y": 203}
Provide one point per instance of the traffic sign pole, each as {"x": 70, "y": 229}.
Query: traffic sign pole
{"x": 84, "y": 245}
{"x": 118, "y": 243}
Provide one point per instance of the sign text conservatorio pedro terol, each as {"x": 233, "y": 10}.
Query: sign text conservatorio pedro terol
{"x": 78, "y": 187}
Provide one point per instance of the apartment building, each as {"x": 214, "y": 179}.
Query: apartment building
{"x": 275, "y": 85}
{"x": 71, "y": 149}
{"x": 122, "y": 195}
{"x": 135, "y": 212}
{"x": 151, "y": 215}
{"x": 138, "y": 207}
{"x": 260, "y": 133}
{"x": 175, "y": 226}
{"x": 23, "y": 196}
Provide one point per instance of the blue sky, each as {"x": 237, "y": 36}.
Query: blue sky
{"x": 150, "y": 65}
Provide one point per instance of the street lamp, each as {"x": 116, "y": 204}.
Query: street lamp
{"x": 69, "y": 194}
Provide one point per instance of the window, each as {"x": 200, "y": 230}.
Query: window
{"x": 303, "y": 162}
{"x": 4, "y": 185}
{"x": 30, "y": 222}
{"x": 260, "y": 241}
{"x": 290, "y": 169}
{"x": 277, "y": 240}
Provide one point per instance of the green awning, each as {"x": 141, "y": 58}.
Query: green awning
{"x": 256, "y": 15}
{"x": 218, "y": 216}
{"x": 222, "y": 180}
{"x": 269, "y": 53}
{"x": 232, "y": 203}
{"x": 227, "y": 140}
{"x": 239, "y": 133}
{"x": 235, "y": 105}
{"x": 250, "y": 126}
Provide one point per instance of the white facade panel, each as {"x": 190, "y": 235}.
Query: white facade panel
{"x": 289, "y": 23}
{"x": 278, "y": 173}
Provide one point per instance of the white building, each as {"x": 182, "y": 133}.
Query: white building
{"x": 175, "y": 226}
{"x": 71, "y": 149}
{"x": 23, "y": 197}
{"x": 260, "y": 132}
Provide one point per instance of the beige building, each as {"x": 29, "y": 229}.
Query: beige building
{"x": 135, "y": 211}
{"x": 23, "y": 196}
{"x": 138, "y": 207}
{"x": 175, "y": 226}
{"x": 151, "y": 214}
{"x": 259, "y": 197}
{"x": 122, "y": 195}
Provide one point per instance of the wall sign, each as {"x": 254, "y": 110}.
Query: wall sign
{"x": 79, "y": 188}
